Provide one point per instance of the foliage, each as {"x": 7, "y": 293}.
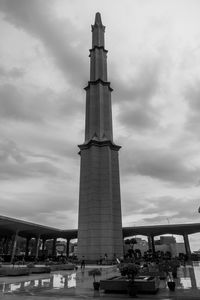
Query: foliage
{"x": 169, "y": 267}
{"x": 130, "y": 241}
{"x": 130, "y": 270}
{"x": 49, "y": 262}
{"x": 30, "y": 265}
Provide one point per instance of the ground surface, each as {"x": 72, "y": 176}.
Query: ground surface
{"x": 78, "y": 285}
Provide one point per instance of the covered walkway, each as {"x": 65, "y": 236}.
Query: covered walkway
{"x": 11, "y": 228}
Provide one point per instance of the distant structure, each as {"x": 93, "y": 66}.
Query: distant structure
{"x": 164, "y": 244}
{"x": 100, "y": 221}
{"x": 169, "y": 243}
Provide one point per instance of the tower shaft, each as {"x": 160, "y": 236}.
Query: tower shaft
{"x": 100, "y": 224}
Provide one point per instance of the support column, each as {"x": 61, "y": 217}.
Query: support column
{"x": 54, "y": 247}
{"x": 13, "y": 247}
{"x": 149, "y": 243}
{"x": 27, "y": 246}
{"x": 37, "y": 244}
{"x": 192, "y": 278}
{"x": 51, "y": 282}
{"x": 2, "y": 242}
{"x": 6, "y": 244}
{"x": 67, "y": 247}
{"x": 153, "y": 245}
{"x": 43, "y": 245}
{"x": 187, "y": 246}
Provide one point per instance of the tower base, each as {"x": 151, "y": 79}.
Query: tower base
{"x": 100, "y": 222}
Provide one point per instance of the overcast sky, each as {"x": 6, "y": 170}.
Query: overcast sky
{"x": 154, "y": 69}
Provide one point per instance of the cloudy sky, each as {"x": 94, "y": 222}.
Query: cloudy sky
{"x": 154, "y": 69}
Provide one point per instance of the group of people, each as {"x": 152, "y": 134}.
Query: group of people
{"x": 102, "y": 261}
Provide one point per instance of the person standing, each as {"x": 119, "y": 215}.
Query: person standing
{"x": 105, "y": 258}
{"x": 83, "y": 263}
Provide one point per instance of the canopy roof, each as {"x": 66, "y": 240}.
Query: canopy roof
{"x": 9, "y": 226}
{"x": 153, "y": 230}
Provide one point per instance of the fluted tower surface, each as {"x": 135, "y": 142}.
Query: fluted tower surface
{"x": 100, "y": 222}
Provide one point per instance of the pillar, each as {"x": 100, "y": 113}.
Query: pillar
{"x": 6, "y": 245}
{"x": 27, "y": 246}
{"x": 51, "y": 282}
{"x": 153, "y": 245}
{"x": 37, "y": 244}
{"x": 2, "y": 242}
{"x": 54, "y": 247}
{"x": 13, "y": 247}
{"x": 149, "y": 242}
{"x": 187, "y": 246}
{"x": 43, "y": 245}
{"x": 192, "y": 278}
{"x": 67, "y": 247}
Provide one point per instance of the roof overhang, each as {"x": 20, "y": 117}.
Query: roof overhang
{"x": 9, "y": 226}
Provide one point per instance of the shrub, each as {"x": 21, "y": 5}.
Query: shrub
{"x": 130, "y": 270}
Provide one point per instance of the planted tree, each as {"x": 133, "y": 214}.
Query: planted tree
{"x": 94, "y": 273}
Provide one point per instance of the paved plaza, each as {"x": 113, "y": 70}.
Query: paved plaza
{"x": 78, "y": 285}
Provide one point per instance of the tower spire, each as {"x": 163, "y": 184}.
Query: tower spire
{"x": 98, "y": 30}
{"x": 98, "y": 92}
{"x": 98, "y": 21}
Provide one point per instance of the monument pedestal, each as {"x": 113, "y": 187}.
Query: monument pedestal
{"x": 100, "y": 227}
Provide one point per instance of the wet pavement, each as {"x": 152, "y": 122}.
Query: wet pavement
{"x": 78, "y": 285}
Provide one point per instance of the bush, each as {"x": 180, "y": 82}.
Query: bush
{"x": 30, "y": 265}
{"x": 130, "y": 270}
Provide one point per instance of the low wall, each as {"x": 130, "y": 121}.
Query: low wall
{"x": 7, "y": 271}
{"x": 39, "y": 270}
{"x": 121, "y": 284}
{"x": 61, "y": 267}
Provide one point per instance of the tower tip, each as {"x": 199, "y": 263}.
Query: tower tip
{"x": 98, "y": 19}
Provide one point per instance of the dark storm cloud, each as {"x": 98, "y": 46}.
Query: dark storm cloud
{"x": 192, "y": 96}
{"x": 52, "y": 148}
{"x": 171, "y": 208}
{"x": 39, "y": 105}
{"x": 15, "y": 164}
{"x": 8, "y": 149}
{"x": 165, "y": 165}
{"x": 135, "y": 97}
{"x": 142, "y": 117}
{"x": 162, "y": 209}
{"x": 57, "y": 36}
{"x": 11, "y": 73}
{"x": 70, "y": 103}
{"x": 141, "y": 85}
{"x": 26, "y": 170}
{"x": 171, "y": 204}
{"x": 47, "y": 211}
{"x": 16, "y": 105}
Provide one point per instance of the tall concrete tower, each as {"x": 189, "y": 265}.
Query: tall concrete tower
{"x": 100, "y": 221}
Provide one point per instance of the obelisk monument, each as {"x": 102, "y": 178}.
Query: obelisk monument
{"x": 100, "y": 221}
